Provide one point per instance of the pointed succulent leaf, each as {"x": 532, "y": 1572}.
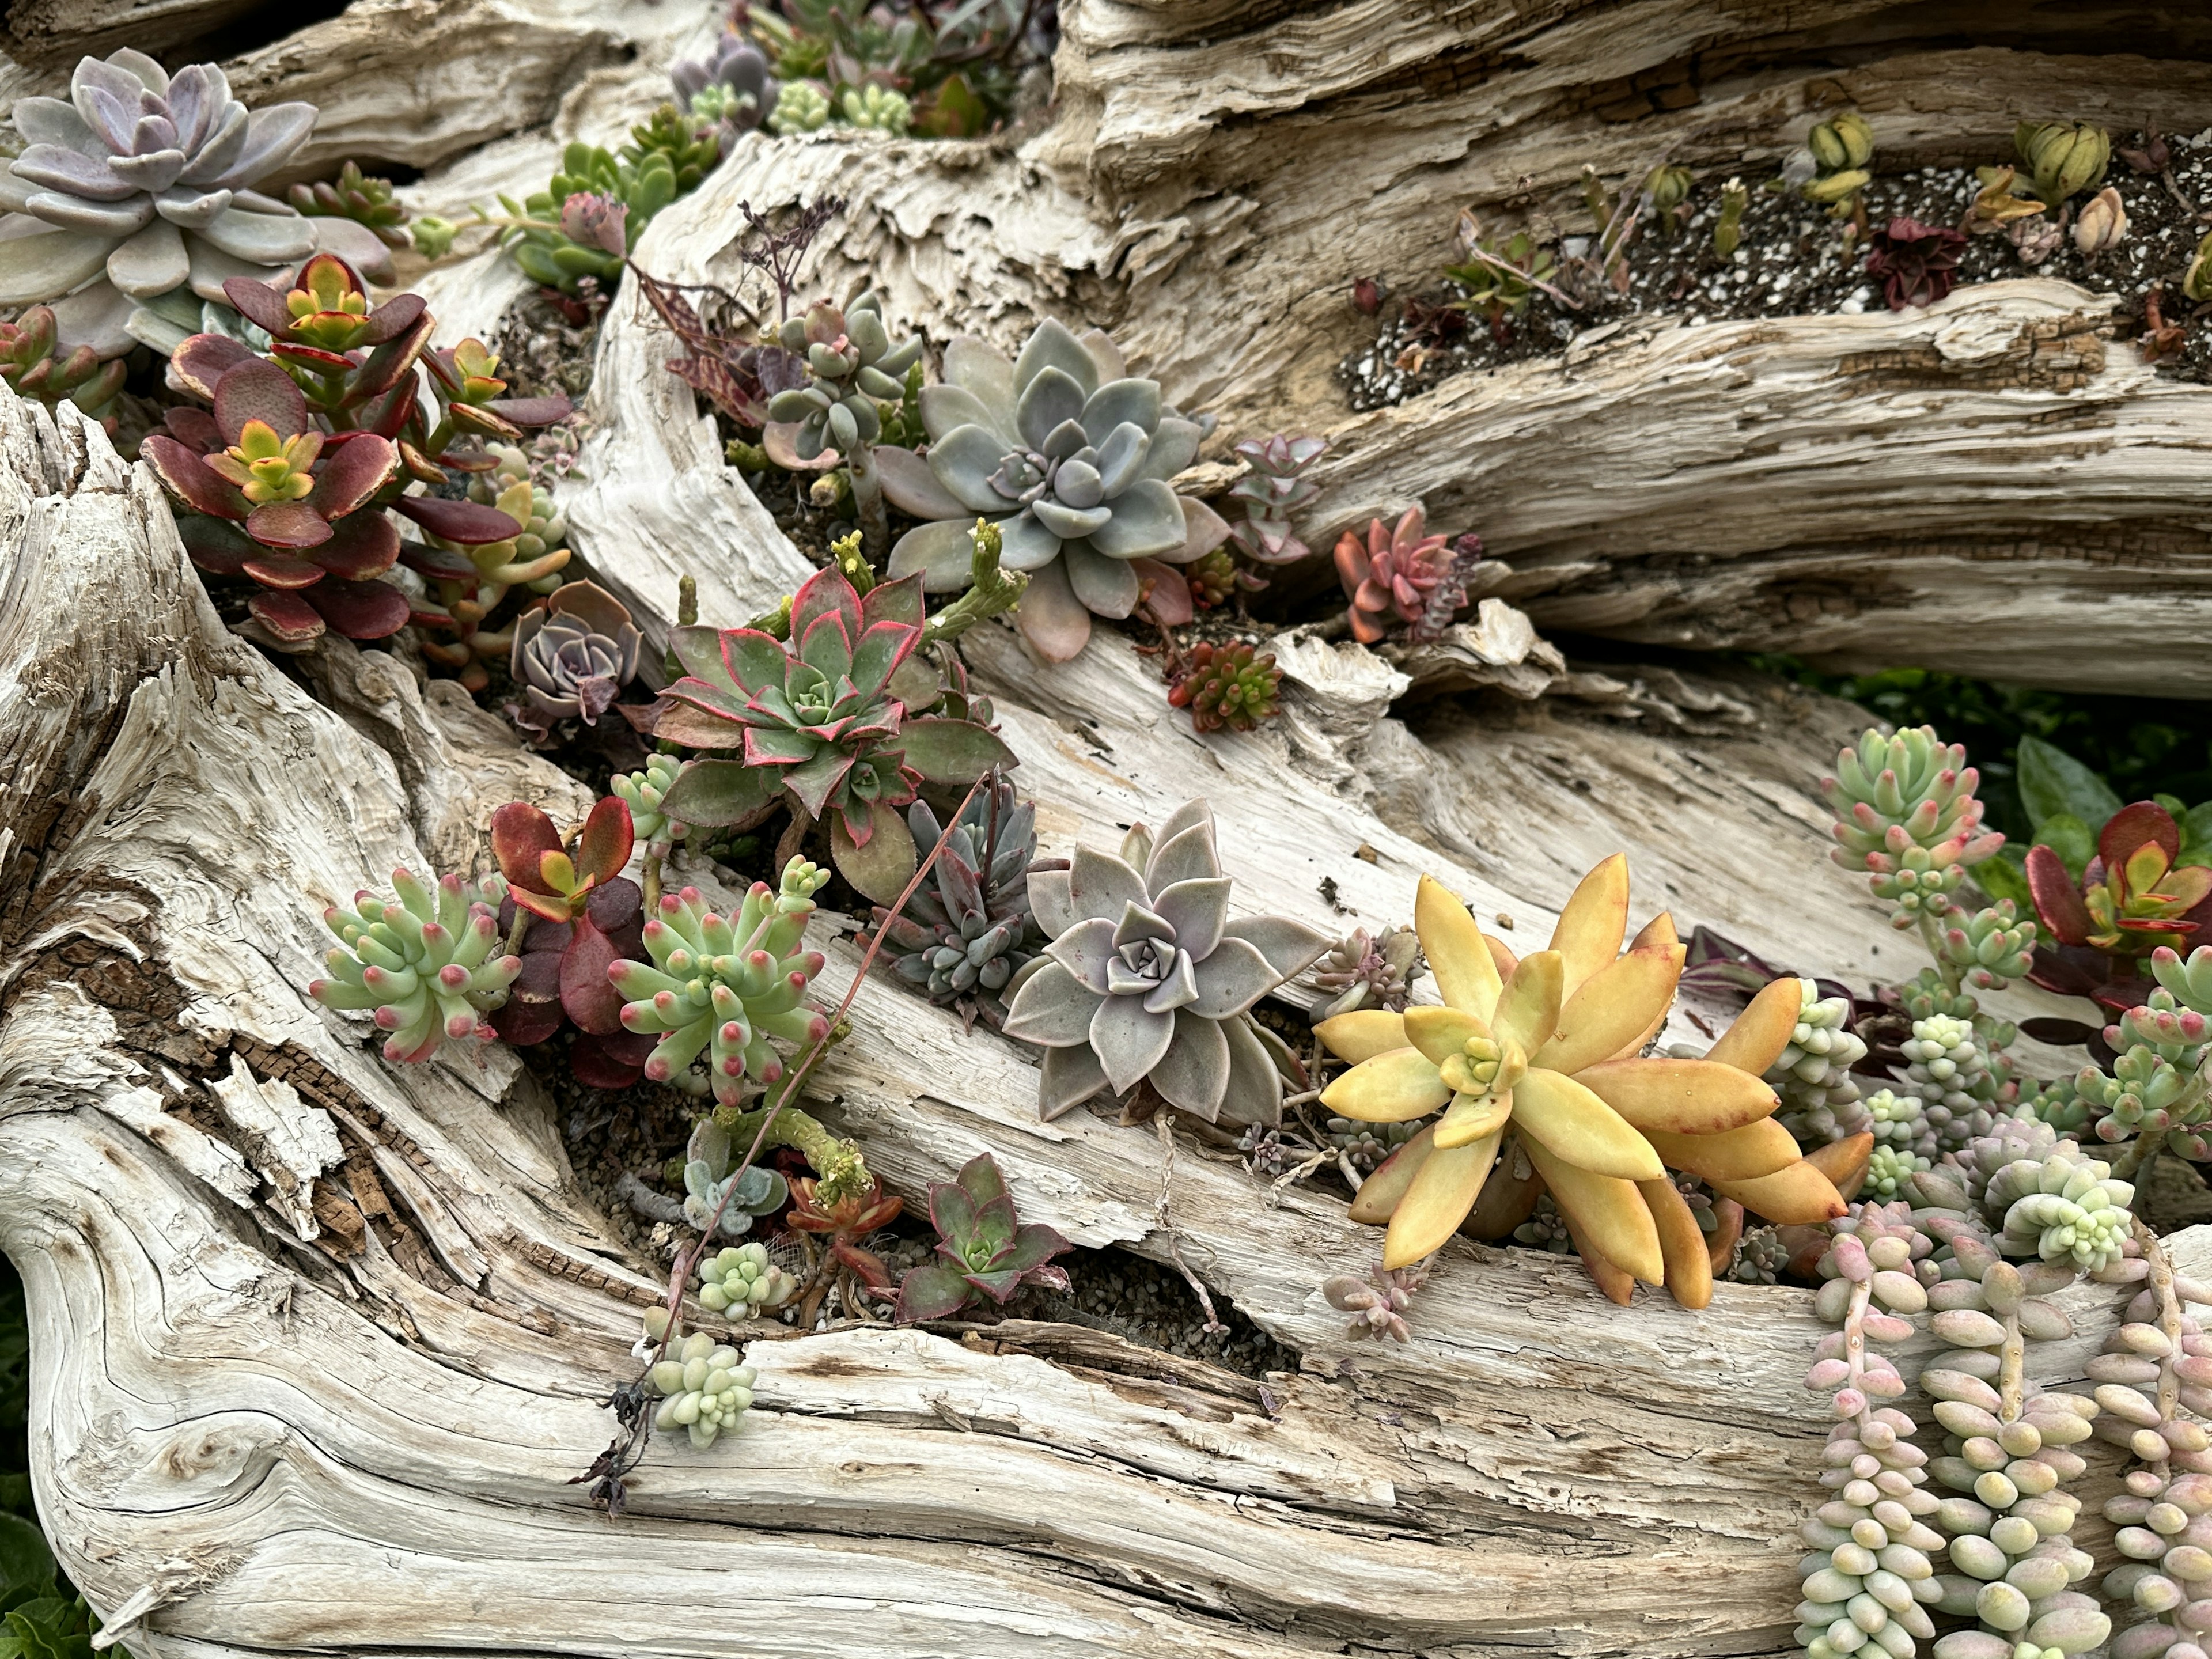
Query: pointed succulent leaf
{"x": 716, "y": 793}
{"x": 932, "y": 1291}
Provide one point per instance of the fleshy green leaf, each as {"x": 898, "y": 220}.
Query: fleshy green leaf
{"x": 721, "y": 794}
{"x": 2052, "y": 782}
{"x": 952, "y": 751}
{"x": 2070, "y": 838}
{"x": 932, "y": 1292}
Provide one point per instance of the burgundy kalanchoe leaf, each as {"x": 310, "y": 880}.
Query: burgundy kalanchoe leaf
{"x": 2132, "y": 826}
{"x": 387, "y": 415}
{"x": 256, "y": 390}
{"x": 389, "y": 362}
{"x": 603, "y": 845}
{"x": 470, "y": 523}
{"x": 394, "y": 317}
{"x": 282, "y": 570}
{"x": 259, "y": 304}
{"x": 532, "y": 411}
{"x": 287, "y": 616}
{"x": 195, "y": 429}
{"x": 198, "y": 365}
{"x": 2058, "y": 903}
{"x": 595, "y": 1005}
{"x": 286, "y": 524}
{"x": 1915, "y": 263}
{"x": 347, "y": 478}
{"x": 439, "y": 563}
{"x": 522, "y": 835}
{"x": 191, "y": 479}
{"x": 533, "y": 1010}
{"x": 215, "y": 545}
{"x": 311, "y": 357}
{"x": 360, "y": 611}
{"x": 616, "y": 1060}
{"x": 361, "y": 545}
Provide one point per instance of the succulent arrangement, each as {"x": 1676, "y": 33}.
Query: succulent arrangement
{"x": 35, "y": 367}
{"x": 1230, "y": 685}
{"x": 820, "y": 725}
{"x": 1369, "y": 970}
{"x": 731, "y": 85}
{"x": 1069, "y": 458}
{"x": 352, "y": 195}
{"x": 1400, "y": 573}
{"x": 424, "y": 963}
{"x": 949, "y": 71}
{"x": 1148, "y": 980}
{"x": 851, "y": 364}
{"x": 990, "y": 1254}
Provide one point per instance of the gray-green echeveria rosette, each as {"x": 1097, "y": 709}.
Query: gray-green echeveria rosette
{"x": 1069, "y": 456}
{"x": 131, "y": 203}
{"x": 1147, "y": 978}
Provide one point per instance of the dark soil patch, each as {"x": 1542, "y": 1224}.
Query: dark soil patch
{"x": 1792, "y": 262}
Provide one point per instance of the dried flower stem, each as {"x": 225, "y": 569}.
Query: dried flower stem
{"x": 1510, "y": 269}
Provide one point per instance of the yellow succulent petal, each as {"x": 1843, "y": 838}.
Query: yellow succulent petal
{"x": 1660, "y": 930}
{"x": 1742, "y": 1154}
{"x": 1437, "y": 1202}
{"x": 1844, "y": 1162}
{"x": 1610, "y": 1214}
{"x": 1501, "y": 957}
{"x": 1528, "y": 1006}
{"x": 1682, "y": 1097}
{"x": 1468, "y": 1119}
{"x": 1466, "y": 976}
{"x": 1614, "y": 1007}
{"x": 1574, "y": 1124}
{"x": 1362, "y": 1034}
{"x": 1440, "y": 1033}
{"x": 1681, "y": 1244}
{"x": 1595, "y": 921}
{"x": 1379, "y": 1194}
{"x": 1761, "y": 1031}
{"x": 1799, "y": 1196}
{"x": 1388, "y": 1089}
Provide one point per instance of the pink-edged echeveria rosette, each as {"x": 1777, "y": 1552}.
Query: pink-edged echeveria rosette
{"x": 816, "y": 723}
{"x": 1147, "y": 979}
{"x": 1069, "y": 456}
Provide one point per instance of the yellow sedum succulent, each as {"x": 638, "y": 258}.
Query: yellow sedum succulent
{"x": 1548, "y": 1050}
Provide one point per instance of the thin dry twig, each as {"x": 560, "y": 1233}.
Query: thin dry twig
{"x": 1164, "y": 1122}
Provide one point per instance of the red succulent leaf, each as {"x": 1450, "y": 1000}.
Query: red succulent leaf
{"x": 1168, "y": 598}
{"x": 389, "y": 362}
{"x": 2058, "y": 903}
{"x": 532, "y": 411}
{"x": 259, "y": 304}
{"x": 604, "y": 846}
{"x": 282, "y": 570}
{"x": 2134, "y": 824}
{"x": 532, "y": 1011}
{"x": 394, "y": 317}
{"x": 677, "y": 721}
{"x": 361, "y": 611}
{"x": 522, "y": 835}
{"x": 287, "y": 616}
{"x": 594, "y": 1005}
{"x": 899, "y": 602}
{"x": 286, "y": 524}
{"x": 191, "y": 479}
{"x": 476, "y": 418}
{"x": 215, "y": 544}
{"x": 439, "y": 563}
{"x": 865, "y": 1263}
{"x": 201, "y": 361}
{"x": 357, "y": 470}
{"x": 361, "y": 545}
{"x": 470, "y": 523}
{"x": 616, "y": 1060}
{"x": 387, "y": 417}
{"x": 826, "y": 593}
{"x": 256, "y": 390}
{"x": 195, "y": 429}
{"x": 313, "y": 356}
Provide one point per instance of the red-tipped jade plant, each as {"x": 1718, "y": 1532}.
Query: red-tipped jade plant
{"x": 585, "y": 916}
{"x": 818, "y": 726}
{"x": 989, "y": 1252}
{"x": 287, "y": 472}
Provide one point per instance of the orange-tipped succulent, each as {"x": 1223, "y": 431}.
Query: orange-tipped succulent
{"x": 1547, "y": 1052}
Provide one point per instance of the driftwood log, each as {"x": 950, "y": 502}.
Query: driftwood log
{"x": 319, "y": 1341}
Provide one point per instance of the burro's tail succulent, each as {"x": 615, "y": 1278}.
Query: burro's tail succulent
{"x": 1550, "y": 1047}
{"x": 1147, "y": 979}
{"x": 426, "y": 961}
{"x": 723, "y": 986}
{"x": 1070, "y": 457}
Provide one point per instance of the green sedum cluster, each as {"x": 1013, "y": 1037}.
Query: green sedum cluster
{"x": 741, "y": 1279}
{"x": 705, "y": 1388}
{"x": 426, "y": 961}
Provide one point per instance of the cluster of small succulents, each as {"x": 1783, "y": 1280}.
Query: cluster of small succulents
{"x": 853, "y": 365}
{"x": 819, "y": 724}
{"x": 1546, "y": 1229}
{"x": 425, "y": 963}
{"x": 1368, "y": 970}
{"x": 741, "y": 1279}
{"x": 1147, "y": 979}
{"x": 2155, "y": 1096}
{"x": 724, "y": 986}
{"x": 705, "y": 1388}
{"x": 1758, "y": 1258}
{"x": 968, "y": 930}
{"x": 367, "y": 201}
{"x": 1812, "y": 1074}
{"x": 723, "y": 1196}
{"x": 1400, "y": 573}
{"x": 1365, "y": 1146}
{"x": 583, "y": 224}
{"x": 1377, "y": 1303}
{"x": 35, "y": 367}
{"x": 1069, "y": 456}
{"x": 1227, "y": 685}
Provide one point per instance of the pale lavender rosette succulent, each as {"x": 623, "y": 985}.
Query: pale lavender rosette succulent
{"x": 1148, "y": 979}
{"x": 731, "y": 85}
{"x": 572, "y": 656}
{"x": 1069, "y": 456}
{"x": 137, "y": 189}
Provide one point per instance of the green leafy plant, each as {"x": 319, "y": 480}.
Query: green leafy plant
{"x": 851, "y": 364}
{"x": 35, "y": 367}
{"x": 1500, "y": 280}
{"x": 990, "y": 1253}
{"x": 2063, "y": 158}
{"x": 1841, "y": 152}
{"x": 820, "y": 726}
{"x": 367, "y": 201}
{"x": 425, "y": 963}
{"x": 559, "y": 245}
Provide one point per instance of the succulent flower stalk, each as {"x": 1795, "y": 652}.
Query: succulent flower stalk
{"x": 1377, "y": 1303}
{"x": 1069, "y": 457}
{"x": 724, "y": 986}
{"x": 1149, "y": 980}
{"x": 1550, "y": 1047}
{"x": 427, "y": 962}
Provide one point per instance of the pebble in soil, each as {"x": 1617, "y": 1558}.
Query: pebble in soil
{"x": 1792, "y": 263}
